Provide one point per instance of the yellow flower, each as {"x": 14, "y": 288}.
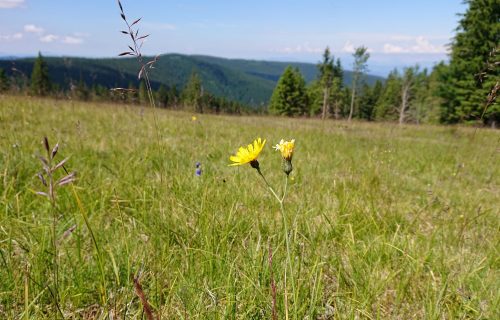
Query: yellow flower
{"x": 193, "y": 118}
{"x": 286, "y": 148}
{"x": 248, "y": 154}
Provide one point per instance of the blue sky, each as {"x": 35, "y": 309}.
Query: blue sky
{"x": 397, "y": 32}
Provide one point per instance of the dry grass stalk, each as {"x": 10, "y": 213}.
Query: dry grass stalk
{"x": 135, "y": 51}
{"x": 140, "y": 293}
{"x": 48, "y": 180}
{"x": 273, "y": 284}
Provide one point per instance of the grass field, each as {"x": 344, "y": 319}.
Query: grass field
{"x": 385, "y": 222}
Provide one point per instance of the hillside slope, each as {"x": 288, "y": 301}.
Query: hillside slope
{"x": 247, "y": 81}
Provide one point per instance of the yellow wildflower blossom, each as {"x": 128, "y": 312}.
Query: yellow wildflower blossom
{"x": 286, "y": 148}
{"x": 248, "y": 154}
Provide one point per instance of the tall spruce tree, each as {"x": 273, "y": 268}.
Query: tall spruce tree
{"x": 368, "y": 99}
{"x": 315, "y": 97}
{"x": 438, "y": 105}
{"x": 317, "y": 90}
{"x": 360, "y": 67}
{"x": 426, "y": 103}
{"x": 193, "y": 92}
{"x": 337, "y": 91}
{"x": 478, "y": 34}
{"x": 290, "y": 97}
{"x": 325, "y": 69}
{"x": 162, "y": 96}
{"x": 4, "y": 81}
{"x": 81, "y": 91}
{"x": 390, "y": 98}
{"x": 40, "y": 81}
{"x": 173, "y": 96}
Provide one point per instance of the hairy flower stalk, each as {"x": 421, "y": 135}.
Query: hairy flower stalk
{"x": 249, "y": 155}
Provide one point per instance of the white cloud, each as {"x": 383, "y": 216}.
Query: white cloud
{"x": 424, "y": 46}
{"x": 418, "y": 44}
{"x": 379, "y": 37}
{"x": 348, "y": 47}
{"x": 9, "y": 37}
{"x": 9, "y": 4}
{"x": 49, "y": 38}
{"x": 301, "y": 48}
{"x": 31, "y": 28}
{"x": 72, "y": 40}
{"x": 390, "y": 48}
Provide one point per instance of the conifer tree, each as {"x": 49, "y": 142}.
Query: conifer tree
{"x": 82, "y": 91}
{"x": 290, "y": 97}
{"x": 368, "y": 99}
{"x": 361, "y": 56}
{"x": 40, "y": 81}
{"x": 436, "y": 102}
{"x": 337, "y": 92}
{"x": 389, "y": 100}
{"x": 100, "y": 93}
{"x": 162, "y": 96}
{"x": 325, "y": 69}
{"x": 478, "y": 35}
{"x": 4, "y": 81}
{"x": 315, "y": 97}
{"x": 192, "y": 93}
{"x": 173, "y": 96}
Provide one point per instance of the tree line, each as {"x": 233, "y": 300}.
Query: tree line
{"x": 461, "y": 91}
{"x": 191, "y": 97}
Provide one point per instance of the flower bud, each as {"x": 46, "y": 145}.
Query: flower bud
{"x": 286, "y": 165}
{"x": 286, "y": 149}
{"x": 255, "y": 164}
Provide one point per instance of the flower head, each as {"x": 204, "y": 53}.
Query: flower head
{"x": 286, "y": 148}
{"x": 248, "y": 154}
{"x": 198, "y": 169}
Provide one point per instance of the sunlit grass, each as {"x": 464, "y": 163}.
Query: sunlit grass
{"x": 388, "y": 222}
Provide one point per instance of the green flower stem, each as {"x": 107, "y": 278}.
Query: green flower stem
{"x": 285, "y": 189}
{"x": 269, "y": 187}
{"x": 285, "y": 227}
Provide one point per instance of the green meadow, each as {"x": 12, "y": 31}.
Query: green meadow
{"x": 384, "y": 221}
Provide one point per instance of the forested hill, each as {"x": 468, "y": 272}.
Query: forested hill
{"x": 248, "y": 81}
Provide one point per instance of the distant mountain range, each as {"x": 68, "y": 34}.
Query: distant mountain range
{"x": 248, "y": 81}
